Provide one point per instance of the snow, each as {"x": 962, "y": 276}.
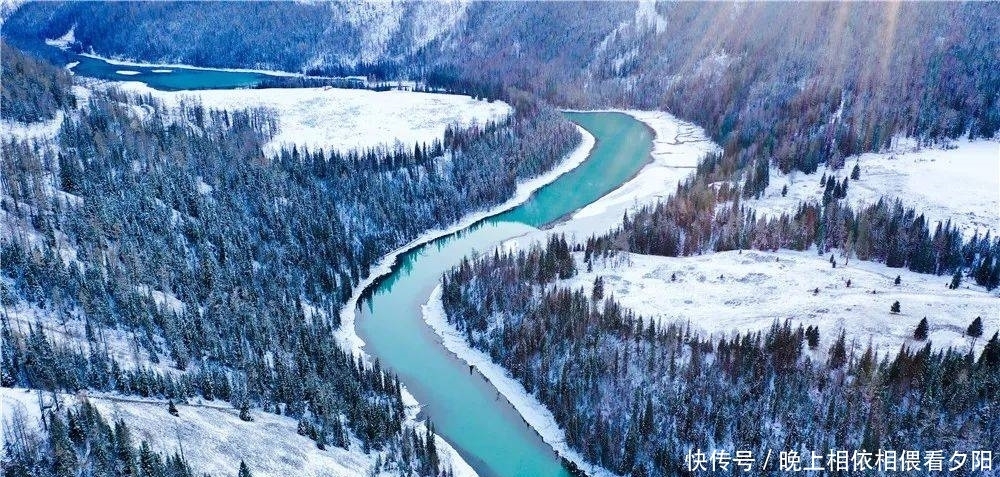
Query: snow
{"x": 345, "y": 119}
{"x": 381, "y": 24}
{"x": 211, "y": 434}
{"x": 960, "y": 183}
{"x": 41, "y": 131}
{"x": 37, "y": 131}
{"x": 127, "y": 72}
{"x": 534, "y": 412}
{"x": 169, "y": 301}
{"x": 164, "y": 66}
{"x": 646, "y": 14}
{"x": 678, "y": 146}
{"x": 63, "y": 41}
{"x": 725, "y": 292}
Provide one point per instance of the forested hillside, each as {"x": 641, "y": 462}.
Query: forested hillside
{"x": 32, "y": 90}
{"x": 835, "y": 80}
{"x": 636, "y": 396}
{"x": 225, "y": 266}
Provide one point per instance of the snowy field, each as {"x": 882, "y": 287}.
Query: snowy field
{"x": 342, "y": 119}
{"x": 213, "y": 437}
{"x": 725, "y": 292}
{"x": 961, "y": 184}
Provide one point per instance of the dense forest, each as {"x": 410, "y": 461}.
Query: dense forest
{"x": 32, "y": 90}
{"x": 134, "y": 199}
{"x": 636, "y": 396}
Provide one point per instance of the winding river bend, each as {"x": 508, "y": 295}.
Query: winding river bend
{"x": 465, "y": 409}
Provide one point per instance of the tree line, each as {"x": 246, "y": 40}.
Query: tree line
{"x": 704, "y": 216}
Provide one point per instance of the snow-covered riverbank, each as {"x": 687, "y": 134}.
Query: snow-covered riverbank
{"x": 677, "y": 148}
{"x": 347, "y": 334}
{"x": 534, "y": 412}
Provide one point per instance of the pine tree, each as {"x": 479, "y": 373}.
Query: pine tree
{"x": 812, "y": 336}
{"x": 920, "y": 333}
{"x": 598, "y": 292}
{"x": 956, "y": 280}
{"x": 975, "y": 329}
{"x": 856, "y": 172}
{"x": 991, "y": 353}
{"x": 838, "y": 352}
{"x": 245, "y": 413}
{"x": 172, "y": 409}
{"x": 244, "y": 470}
{"x": 895, "y": 307}
{"x": 64, "y": 457}
{"x": 784, "y": 190}
{"x": 897, "y": 281}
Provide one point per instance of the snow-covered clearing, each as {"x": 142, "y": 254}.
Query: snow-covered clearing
{"x": 534, "y": 412}
{"x": 63, "y": 41}
{"x": 960, "y": 183}
{"x": 343, "y": 119}
{"x": 41, "y": 131}
{"x": 38, "y": 131}
{"x": 212, "y": 436}
{"x": 727, "y": 292}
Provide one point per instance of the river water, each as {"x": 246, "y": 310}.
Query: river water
{"x": 465, "y": 409}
